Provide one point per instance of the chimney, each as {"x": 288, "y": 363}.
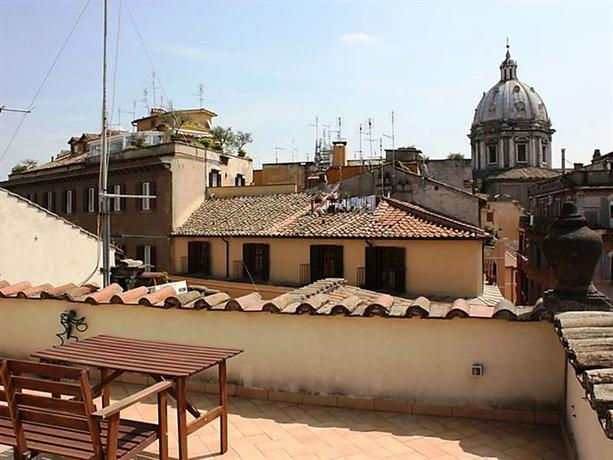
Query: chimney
{"x": 577, "y": 166}
{"x": 339, "y": 156}
{"x": 563, "y": 161}
{"x": 596, "y": 155}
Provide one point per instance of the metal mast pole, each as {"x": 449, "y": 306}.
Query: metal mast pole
{"x": 104, "y": 165}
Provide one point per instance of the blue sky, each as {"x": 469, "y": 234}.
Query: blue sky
{"x": 270, "y": 67}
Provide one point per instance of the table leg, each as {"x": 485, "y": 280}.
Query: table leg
{"x": 223, "y": 402}
{"x": 182, "y": 418}
{"x": 106, "y": 392}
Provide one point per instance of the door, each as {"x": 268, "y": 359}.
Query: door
{"x": 198, "y": 258}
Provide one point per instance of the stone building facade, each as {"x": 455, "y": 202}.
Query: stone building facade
{"x": 511, "y": 126}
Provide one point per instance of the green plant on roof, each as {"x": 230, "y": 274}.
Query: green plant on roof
{"x": 455, "y": 156}
{"x": 24, "y": 165}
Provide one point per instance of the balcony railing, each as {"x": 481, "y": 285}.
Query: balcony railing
{"x": 390, "y": 280}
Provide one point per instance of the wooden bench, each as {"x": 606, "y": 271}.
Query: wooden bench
{"x": 46, "y": 408}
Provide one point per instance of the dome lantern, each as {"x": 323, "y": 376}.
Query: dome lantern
{"x": 508, "y": 68}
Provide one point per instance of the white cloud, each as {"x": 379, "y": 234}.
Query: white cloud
{"x": 358, "y": 38}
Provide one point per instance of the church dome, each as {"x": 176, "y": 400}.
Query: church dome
{"x": 510, "y": 99}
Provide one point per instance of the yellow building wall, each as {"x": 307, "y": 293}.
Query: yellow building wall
{"x": 199, "y": 121}
{"x": 443, "y": 267}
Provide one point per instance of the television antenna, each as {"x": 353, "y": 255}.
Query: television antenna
{"x": 200, "y": 95}
{"x": 145, "y": 100}
{"x": 4, "y": 108}
{"x": 153, "y": 87}
{"x": 277, "y": 149}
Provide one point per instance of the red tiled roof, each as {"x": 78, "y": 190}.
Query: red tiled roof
{"x": 295, "y": 215}
{"x": 331, "y": 296}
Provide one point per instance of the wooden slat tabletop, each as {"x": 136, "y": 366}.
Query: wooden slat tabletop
{"x": 142, "y": 356}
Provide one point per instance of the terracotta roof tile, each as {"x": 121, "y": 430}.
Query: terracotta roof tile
{"x": 326, "y": 297}
{"x": 294, "y": 215}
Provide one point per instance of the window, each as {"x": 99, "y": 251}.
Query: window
{"x": 385, "y": 268}
{"x": 492, "y": 153}
{"x": 117, "y": 190}
{"x": 50, "y": 202}
{"x": 34, "y": 198}
{"x": 544, "y": 153}
{"x": 610, "y": 209}
{"x": 198, "y": 258}
{"x": 148, "y": 255}
{"x": 145, "y": 190}
{"x": 256, "y": 261}
{"x": 522, "y": 155}
{"x": 91, "y": 199}
{"x": 239, "y": 180}
{"x": 69, "y": 202}
{"x": 490, "y": 216}
{"x": 214, "y": 178}
{"x": 326, "y": 261}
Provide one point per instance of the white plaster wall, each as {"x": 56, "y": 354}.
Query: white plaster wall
{"x": 39, "y": 247}
{"x": 420, "y": 360}
{"x": 590, "y": 440}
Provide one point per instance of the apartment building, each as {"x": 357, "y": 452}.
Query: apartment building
{"x": 177, "y": 174}
{"x": 381, "y": 244}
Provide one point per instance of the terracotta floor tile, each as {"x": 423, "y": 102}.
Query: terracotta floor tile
{"x": 282, "y": 430}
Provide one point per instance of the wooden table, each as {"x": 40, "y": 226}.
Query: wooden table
{"x": 162, "y": 361}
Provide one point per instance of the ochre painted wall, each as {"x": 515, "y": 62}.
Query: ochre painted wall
{"x": 443, "y": 267}
{"x": 427, "y": 361}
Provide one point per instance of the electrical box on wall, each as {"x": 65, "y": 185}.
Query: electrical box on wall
{"x": 477, "y": 370}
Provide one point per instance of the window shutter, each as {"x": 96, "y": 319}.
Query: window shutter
{"x": 139, "y": 191}
{"x": 248, "y": 257}
{"x": 85, "y": 198}
{"x": 338, "y": 262}
{"x": 266, "y": 262}
{"x": 193, "y": 256}
{"x": 53, "y": 203}
{"x": 154, "y": 259}
{"x": 73, "y": 207}
{"x": 400, "y": 270}
{"x": 604, "y": 212}
{"x": 206, "y": 258}
{"x": 122, "y": 201}
{"x": 316, "y": 262}
{"x": 140, "y": 252}
{"x": 96, "y": 199}
{"x": 64, "y": 202}
{"x": 152, "y": 201}
{"x": 371, "y": 267}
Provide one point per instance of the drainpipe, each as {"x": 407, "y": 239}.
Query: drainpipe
{"x": 227, "y": 257}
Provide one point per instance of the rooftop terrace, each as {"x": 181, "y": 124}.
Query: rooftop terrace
{"x": 288, "y": 430}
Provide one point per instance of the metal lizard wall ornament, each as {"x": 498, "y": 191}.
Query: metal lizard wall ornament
{"x": 70, "y": 322}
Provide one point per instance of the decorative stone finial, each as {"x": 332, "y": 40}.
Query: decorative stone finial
{"x": 572, "y": 250}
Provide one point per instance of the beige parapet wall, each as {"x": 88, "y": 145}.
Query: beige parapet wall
{"x": 589, "y": 439}
{"x": 421, "y": 361}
